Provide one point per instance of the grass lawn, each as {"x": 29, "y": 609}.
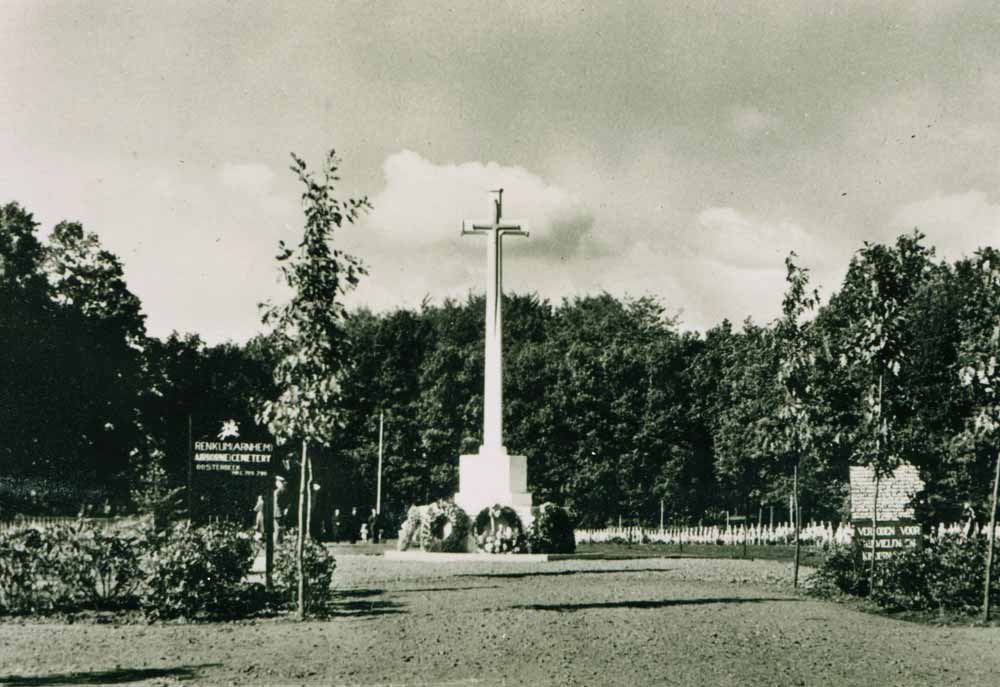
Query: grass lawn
{"x": 807, "y": 556}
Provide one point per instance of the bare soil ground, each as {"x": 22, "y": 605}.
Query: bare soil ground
{"x": 603, "y": 622}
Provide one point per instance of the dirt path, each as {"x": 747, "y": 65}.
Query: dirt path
{"x": 640, "y": 622}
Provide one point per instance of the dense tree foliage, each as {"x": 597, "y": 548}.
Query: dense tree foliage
{"x": 615, "y": 406}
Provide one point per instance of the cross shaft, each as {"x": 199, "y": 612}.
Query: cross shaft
{"x": 493, "y": 368}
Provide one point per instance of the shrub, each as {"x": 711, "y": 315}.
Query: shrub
{"x": 551, "y": 531}
{"x": 498, "y": 529}
{"x": 902, "y": 582}
{"x": 25, "y": 571}
{"x": 318, "y": 565}
{"x": 193, "y": 571}
{"x": 841, "y": 572}
{"x": 945, "y": 575}
{"x": 95, "y": 568}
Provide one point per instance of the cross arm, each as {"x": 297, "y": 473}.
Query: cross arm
{"x": 514, "y": 231}
{"x": 471, "y": 228}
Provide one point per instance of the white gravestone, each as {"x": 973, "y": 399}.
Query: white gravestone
{"x": 493, "y": 475}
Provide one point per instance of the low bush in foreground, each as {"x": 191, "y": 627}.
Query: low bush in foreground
{"x": 181, "y": 571}
{"x": 190, "y": 571}
{"x": 97, "y": 569}
{"x": 942, "y": 576}
{"x": 25, "y": 560}
{"x": 67, "y": 568}
{"x": 318, "y": 565}
{"x": 842, "y": 571}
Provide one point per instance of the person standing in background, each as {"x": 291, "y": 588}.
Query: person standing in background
{"x": 373, "y": 527}
{"x": 258, "y": 516}
{"x": 280, "y": 508}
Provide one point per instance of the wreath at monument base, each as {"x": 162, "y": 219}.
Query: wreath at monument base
{"x": 438, "y": 526}
{"x": 551, "y": 530}
{"x": 498, "y": 529}
{"x": 409, "y": 532}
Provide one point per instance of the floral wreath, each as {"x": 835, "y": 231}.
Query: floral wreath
{"x": 498, "y": 529}
{"x": 443, "y": 527}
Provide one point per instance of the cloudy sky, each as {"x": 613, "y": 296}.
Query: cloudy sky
{"x": 650, "y": 148}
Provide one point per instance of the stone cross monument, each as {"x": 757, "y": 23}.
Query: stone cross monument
{"x": 493, "y": 476}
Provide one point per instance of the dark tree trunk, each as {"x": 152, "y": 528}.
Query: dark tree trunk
{"x": 797, "y": 515}
{"x": 989, "y": 549}
{"x": 300, "y": 535}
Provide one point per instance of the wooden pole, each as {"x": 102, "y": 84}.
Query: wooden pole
{"x": 190, "y": 471}
{"x": 797, "y": 517}
{"x": 989, "y": 549}
{"x": 269, "y": 532}
{"x": 661, "y": 515}
{"x": 378, "y": 491}
{"x": 300, "y": 536}
{"x": 309, "y": 498}
{"x": 878, "y": 453}
{"x": 871, "y": 572}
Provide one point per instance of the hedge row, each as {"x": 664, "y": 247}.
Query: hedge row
{"x": 181, "y": 571}
{"x": 943, "y": 575}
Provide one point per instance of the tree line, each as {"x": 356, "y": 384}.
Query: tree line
{"x": 618, "y": 409}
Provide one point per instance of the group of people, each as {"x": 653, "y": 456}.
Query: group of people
{"x": 352, "y": 527}
{"x": 336, "y": 526}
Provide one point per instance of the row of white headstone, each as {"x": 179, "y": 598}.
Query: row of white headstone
{"x": 814, "y": 534}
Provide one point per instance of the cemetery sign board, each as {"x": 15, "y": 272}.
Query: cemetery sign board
{"x": 897, "y": 525}
{"x": 232, "y": 464}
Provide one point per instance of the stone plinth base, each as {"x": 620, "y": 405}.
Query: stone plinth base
{"x": 428, "y": 557}
{"x": 494, "y": 476}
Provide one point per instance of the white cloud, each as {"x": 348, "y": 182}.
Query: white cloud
{"x": 749, "y": 121}
{"x": 730, "y": 265}
{"x": 956, "y": 224}
{"x": 252, "y": 178}
{"x": 424, "y": 204}
{"x": 412, "y": 245}
{"x": 726, "y": 235}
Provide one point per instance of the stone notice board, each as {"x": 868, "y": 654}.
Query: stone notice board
{"x": 897, "y": 526}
